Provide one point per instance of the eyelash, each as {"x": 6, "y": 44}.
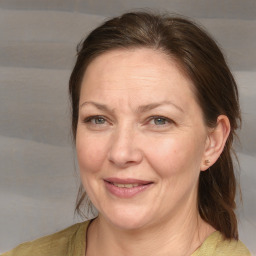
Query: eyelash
{"x": 90, "y": 118}
{"x": 165, "y": 119}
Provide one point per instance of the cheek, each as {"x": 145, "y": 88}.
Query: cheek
{"x": 176, "y": 156}
{"x": 90, "y": 153}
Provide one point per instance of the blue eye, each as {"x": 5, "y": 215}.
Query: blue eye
{"x": 98, "y": 120}
{"x": 160, "y": 121}
{"x": 95, "y": 120}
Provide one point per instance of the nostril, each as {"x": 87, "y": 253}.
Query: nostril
{"x": 124, "y": 156}
{"x": 123, "y": 151}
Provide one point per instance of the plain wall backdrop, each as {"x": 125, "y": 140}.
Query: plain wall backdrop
{"x": 38, "y": 180}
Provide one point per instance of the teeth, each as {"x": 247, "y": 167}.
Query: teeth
{"x": 126, "y": 185}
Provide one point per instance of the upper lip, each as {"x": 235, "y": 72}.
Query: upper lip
{"x": 127, "y": 181}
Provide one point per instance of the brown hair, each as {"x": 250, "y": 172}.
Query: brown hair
{"x": 216, "y": 91}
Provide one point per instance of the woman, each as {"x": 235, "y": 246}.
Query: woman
{"x": 154, "y": 113}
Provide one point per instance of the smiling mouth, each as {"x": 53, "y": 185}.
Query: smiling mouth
{"x": 126, "y": 185}
{"x": 126, "y": 188}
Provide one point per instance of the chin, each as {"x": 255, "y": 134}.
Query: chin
{"x": 127, "y": 220}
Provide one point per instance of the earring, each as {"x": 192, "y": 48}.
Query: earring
{"x": 207, "y": 161}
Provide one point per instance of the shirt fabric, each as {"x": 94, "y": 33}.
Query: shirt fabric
{"x": 71, "y": 242}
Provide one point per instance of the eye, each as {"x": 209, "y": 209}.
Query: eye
{"x": 160, "y": 121}
{"x": 95, "y": 120}
{"x": 98, "y": 120}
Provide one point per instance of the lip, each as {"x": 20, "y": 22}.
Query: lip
{"x": 127, "y": 181}
{"x": 123, "y": 192}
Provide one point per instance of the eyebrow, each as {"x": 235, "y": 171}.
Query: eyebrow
{"x": 148, "y": 107}
{"x": 140, "y": 109}
{"x": 97, "y": 105}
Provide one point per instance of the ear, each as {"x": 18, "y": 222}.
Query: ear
{"x": 215, "y": 142}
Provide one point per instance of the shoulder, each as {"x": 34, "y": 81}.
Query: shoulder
{"x": 231, "y": 247}
{"x": 217, "y": 245}
{"x": 60, "y": 243}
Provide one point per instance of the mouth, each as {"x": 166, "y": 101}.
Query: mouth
{"x": 125, "y": 185}
{"x": 126, "y": 188}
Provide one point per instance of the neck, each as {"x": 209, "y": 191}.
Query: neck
{"x": 180, "y": 236}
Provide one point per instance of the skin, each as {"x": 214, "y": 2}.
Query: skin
{"x": 148, "y": 126}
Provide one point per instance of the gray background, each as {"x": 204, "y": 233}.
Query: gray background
{"x": 38, "y": 180}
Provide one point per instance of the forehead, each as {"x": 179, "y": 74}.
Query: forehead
{"x": 143, "y": 74}
{"x": 132, "y": 62}
{"x": 146, "y": 59}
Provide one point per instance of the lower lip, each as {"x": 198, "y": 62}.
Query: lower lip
{"x": 125, "y": 192}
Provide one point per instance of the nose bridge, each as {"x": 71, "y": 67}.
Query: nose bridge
{"x": 124, "y": 150}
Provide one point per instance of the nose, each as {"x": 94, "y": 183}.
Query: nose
{"x": 124, "y": 150}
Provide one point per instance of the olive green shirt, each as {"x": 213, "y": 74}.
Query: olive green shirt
{"x": 71, "y": 242}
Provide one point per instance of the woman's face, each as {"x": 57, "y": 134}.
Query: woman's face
{"x": 140, "y": 138}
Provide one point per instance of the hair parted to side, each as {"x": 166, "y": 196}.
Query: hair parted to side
{"x": 201, "y": 60}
